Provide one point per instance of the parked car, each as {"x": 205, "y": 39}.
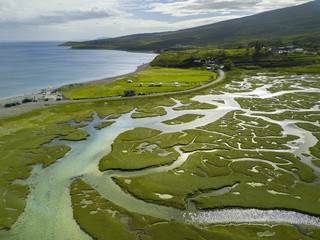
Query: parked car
{"x": 35, "y": 100}
{"x": 26, "y": 100}
{"x": 8, "y": 105}
{"x": 58, "y": 99}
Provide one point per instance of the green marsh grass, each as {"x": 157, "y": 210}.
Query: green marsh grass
{"x": 186, "y": 118}
{"x": 25, "y": 136}
{"x": 23, "y": 139}
{"x": 140, "y": 148}
{"x": 282, "y": 187}
{"x": 104, "y": 124}
{"x": 103, "y": 219}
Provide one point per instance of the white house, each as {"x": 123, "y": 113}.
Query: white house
{"x": 299, "y": 50}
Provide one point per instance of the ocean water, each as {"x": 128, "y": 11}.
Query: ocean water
{"x": 27, "y": 67}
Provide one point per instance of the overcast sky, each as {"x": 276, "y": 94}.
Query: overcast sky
{"x": 90, "y": 19}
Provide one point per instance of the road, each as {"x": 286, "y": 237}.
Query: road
{"x": 24, "y": 108}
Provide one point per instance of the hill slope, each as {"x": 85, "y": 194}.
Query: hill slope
{"x": 292, "y": 21}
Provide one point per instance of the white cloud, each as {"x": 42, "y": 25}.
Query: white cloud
{"x": 95, "y": 28}
{"x": 56, "y": 10}
{"x": 84, "y": 20}
{"x": 201, "y": 7}
{"x": 121, "y": 27}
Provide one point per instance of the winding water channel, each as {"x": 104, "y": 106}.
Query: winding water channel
{"x": 49, "y": 215}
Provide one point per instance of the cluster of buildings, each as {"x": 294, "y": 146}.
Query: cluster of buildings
{"x": 206, "y": 61}
{"x": 210, "y": 63}
{"x": 292, "y": 49}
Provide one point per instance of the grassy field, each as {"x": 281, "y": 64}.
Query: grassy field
{"x": 103, "y": 219}
{"x": 23, "y": 139}
{"x": 186, "y": 79}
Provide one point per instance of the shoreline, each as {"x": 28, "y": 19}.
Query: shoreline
{"x": 52, "y": 95}
{"x": 140, "y": 68}
{"x": 25, "y": 108}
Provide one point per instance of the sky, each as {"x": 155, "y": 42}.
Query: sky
{"x": 78, "y": 20}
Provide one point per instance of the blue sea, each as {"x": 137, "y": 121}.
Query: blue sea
{"x": 27, "y": 67}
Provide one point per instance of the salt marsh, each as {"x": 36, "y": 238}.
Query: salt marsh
{"x": 247, "y": 129}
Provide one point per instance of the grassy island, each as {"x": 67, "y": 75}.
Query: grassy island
{"x": 183, "y": 119}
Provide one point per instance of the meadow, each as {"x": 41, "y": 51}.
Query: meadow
{"x": 163, "y": 80}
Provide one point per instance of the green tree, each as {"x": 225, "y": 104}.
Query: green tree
{"x": 257, "y": 47}
{"x": 228, "y": 64}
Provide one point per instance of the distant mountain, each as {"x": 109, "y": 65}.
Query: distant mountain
{"x": 282, "y": 23}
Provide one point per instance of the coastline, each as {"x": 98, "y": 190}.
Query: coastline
{"x": 27, "y": 107}
{"x": 140, "y": 68}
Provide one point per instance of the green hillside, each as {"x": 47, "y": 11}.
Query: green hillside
{"x": 290, "y": 24}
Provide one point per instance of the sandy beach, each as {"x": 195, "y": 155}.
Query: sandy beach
{"x": 52, "y": 96}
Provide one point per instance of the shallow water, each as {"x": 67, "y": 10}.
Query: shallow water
{"x": 27, "y": 67}
{"x": 253, "y": 215}
{"x": 48, "y": 214}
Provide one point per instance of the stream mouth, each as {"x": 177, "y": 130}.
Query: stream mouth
{"x": 49, "y": 214}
